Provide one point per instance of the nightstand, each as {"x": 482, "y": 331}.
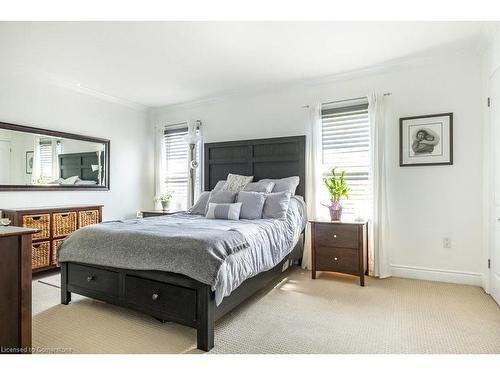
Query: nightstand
{"x": 340, "y": 246}
{"x": 150, "y": 213}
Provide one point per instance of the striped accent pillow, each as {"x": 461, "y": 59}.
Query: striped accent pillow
{"x": 225, "y": 211}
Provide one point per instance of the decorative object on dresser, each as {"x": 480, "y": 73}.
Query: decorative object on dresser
{"x": 15, "y": 289}
{"x": 53, "y": 224}
{"x": 150, "y": 213}
{"x": 340, "y": 246}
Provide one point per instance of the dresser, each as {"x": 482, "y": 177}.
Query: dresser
{"x": 15, "y": 289}
{"x": 340, "y": 246}
{"x": 53, "y": 225}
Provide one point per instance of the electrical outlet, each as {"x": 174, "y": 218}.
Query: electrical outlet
{"x": 447, "y": 242}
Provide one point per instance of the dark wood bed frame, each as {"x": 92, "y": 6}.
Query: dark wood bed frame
{"x": 170, "y": 296}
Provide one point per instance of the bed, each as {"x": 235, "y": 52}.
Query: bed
{"x": 191, "y": 297}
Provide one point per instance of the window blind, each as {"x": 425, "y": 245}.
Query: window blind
{"x": 346, "y": 146}
{"x": 176, "y": 165}
{"x": 46, "y": 158}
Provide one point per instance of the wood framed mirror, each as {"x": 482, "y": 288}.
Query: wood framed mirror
{"x": 40, "y": 159}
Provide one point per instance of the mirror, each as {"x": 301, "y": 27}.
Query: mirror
{"x": 40, "y": 159}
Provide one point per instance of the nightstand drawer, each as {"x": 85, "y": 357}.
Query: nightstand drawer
{"x": 337, "y": 259}
{"x": 336, "y": 235}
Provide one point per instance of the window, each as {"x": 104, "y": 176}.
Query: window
{"x": 346, "y": 146}
{"x": 47, "y": 157}
{"x": 176, "y": 165}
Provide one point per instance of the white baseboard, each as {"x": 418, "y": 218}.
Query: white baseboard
{"x": 433, "y": 274}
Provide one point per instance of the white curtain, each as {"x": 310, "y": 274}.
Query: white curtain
{"x": 192, "y": 139}
{"x": 313, "y": 158}
{"x": 37, "y": 162}
{"x": 160, "y": 153}
{"x": 55, "y": 159}
{"x": 379, "y": 241}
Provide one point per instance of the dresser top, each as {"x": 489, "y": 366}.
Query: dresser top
{"x": 52, "y": 208}
{"x": 347, "y": 221}
{"x": 15, "y": 231}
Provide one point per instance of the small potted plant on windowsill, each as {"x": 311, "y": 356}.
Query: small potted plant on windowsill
{"x": 337, "y": 187}
{"x": 164, "y": 199}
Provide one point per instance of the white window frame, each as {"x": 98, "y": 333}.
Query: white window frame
{"x": 180, "y": 200}
{"x": 349, "y": 154}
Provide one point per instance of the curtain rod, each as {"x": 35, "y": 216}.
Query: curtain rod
{"x": 348, "y": 100}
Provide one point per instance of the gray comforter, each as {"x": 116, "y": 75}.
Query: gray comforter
{"x": 220, "y": 253}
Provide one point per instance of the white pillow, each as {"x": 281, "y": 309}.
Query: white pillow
{"x": 70, "y": 180}
{"x": 226, "y": 211}
{"x": 236, "y": 182}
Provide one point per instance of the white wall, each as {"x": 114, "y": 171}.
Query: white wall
{"x": 28, "y": 101}
{"x": 426, "y": 203}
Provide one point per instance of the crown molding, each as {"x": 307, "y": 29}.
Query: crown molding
{"x": 30, "y": 73}
{"x": 462, "y": 50}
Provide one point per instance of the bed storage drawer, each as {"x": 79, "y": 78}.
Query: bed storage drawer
{"x": 164, "y": 300}
{"x": 93, "y": 279}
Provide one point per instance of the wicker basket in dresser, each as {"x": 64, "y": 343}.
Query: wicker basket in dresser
{"x": 54, "y": 224}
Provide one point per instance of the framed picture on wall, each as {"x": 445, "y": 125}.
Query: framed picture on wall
{"x": 29, "y": 162}
{"x": 426, "y": 140}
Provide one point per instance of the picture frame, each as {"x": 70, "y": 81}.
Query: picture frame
{"x": 29, "y": 162}
{"x": 426, "y": 140}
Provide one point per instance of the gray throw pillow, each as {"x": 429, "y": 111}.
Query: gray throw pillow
{"x": 285, "y": 184}
{"x": 276, "y": 205}
{"x": 226, "y": 211}
{"x": 200, "y": 207}
{"x": 236, "y": 182}
{"x": 221, "y": 197}
{"x": 218, "y": 186}
{"x": 260, "y": 186}
{"x": 252, "y": 204}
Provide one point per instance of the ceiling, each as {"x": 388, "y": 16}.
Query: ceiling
{"x": 162, "y": 63}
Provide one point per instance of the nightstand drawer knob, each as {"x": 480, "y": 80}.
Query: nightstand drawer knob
{"x": 155, "y": 296}
{"x": 334, "y": 236}
{"x": 335, "y": 258}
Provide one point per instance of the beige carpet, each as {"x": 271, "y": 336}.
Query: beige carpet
{"x": 327, "y": 315}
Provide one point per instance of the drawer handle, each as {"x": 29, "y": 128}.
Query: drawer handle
{"x": 155, "y": 296}
{"x": 334, "y": 236}
{"x": 64, "y": 215}
{"x": 335, "y": 258}
{"x": 90, "y": 278}
{"x": 36, "y": 218}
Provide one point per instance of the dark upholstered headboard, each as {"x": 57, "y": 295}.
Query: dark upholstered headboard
{"x": 79, "y": 164}
{"x": 261, "y": 158}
